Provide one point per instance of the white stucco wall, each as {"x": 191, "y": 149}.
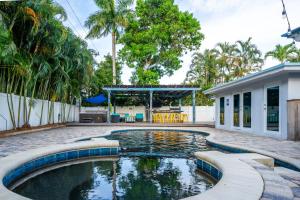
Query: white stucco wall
{"x": 35, "y": 112}
{"x": 294, "y": 86}
{"x": 203, "y": 113}
{"x": 286, "y": 91}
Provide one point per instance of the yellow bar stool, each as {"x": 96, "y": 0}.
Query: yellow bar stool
{"x": 166, "y": 118}
{"x": 184, "y": 118}
{"x": 154, "y": 117}
{"x": 177, "y": 118}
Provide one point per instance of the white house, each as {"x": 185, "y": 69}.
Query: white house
{"x": 264, "y": 103}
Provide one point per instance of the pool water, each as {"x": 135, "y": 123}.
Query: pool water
{"x": 160, "y": 142}
{"x": 128, "y": 178}
{"x": 153, "y": 164}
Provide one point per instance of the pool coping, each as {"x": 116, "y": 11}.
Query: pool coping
{"x": 15, "y": 161}
{"x": 287, "y": 162}
{"x": 238, "y": 178}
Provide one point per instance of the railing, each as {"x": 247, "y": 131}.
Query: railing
{"x": 5, "y": 121}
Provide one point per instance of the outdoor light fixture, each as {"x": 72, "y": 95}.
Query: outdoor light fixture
{"x": 283, "y": 14}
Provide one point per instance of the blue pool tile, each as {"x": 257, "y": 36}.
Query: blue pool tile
{"x": 114, "y": 151}
{"x": 219, "y": 175}
{"x": 214, "y": 172}
{"x": 29, "y": 166}
{"x": 200, "y": 164}
{"x": 5, "y": 181}
{"x": 8, "y": 179}
{"x": 105, "y": 151}
{"x": 51, "y": 159}
{"x": 39, "y": 163}
{"x": 83, "y": 153}
{"x": 206, "y": 167}
{"x": 94, "y": 152}
{"x": 61, "y": 157}
{"x": 72, "y": 155}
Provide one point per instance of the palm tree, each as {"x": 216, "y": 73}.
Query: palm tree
{"x": 283, "y": 53}
{"x": 249, "y": 58}
{"x": 203, "y": 70}
{"x": 40, "y": 58}
{"x": 111, "y": 18}
{"x": 226, "y": 58}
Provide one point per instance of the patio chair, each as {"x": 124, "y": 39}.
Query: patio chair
{"x": 115, "y": 118}
{"x": 139, "y": 117}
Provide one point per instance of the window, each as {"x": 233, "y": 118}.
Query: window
{"x": 236, "y": 110}
{"x": 222, "y": 109}
{"x": 247, "y": 110}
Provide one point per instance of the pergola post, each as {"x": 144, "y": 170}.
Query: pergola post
{"x": 115, "y": 109}
{"x": 150, "y": 106}
{"x": 180, "y": 104}
{"x": 108, "y": 106}
{"x": 194, "y": 106}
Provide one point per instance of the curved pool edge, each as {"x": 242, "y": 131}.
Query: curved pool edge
{"x": 238, "y": 179}
{"x": 283, "y": 161}
{"x": 14, "y": 162}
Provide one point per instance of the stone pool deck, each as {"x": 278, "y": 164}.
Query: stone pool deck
{"x": 287, "y": 150}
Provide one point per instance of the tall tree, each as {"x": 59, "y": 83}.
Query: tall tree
{"x": 203, "y": 70}
{"x": 249, "y": 58}
{"x": 103, "y": 75}
{"x": 226, "y": 56}
{"x": 156, "y": 37}
{"x": 111, "y": 18}
{"x": 223, "y": 63}
{"x": 41, "y": 58}
{"x": 283, "y": 53}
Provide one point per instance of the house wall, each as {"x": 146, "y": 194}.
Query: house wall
{"x": 5, "y": 120}
{"x": 203, "y": 113}
{"x": 294, "y": 86}
{"x": 257, "y": 107}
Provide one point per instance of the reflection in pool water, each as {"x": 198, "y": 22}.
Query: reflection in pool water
{"x": 128, "y": 178}
{"x": 154, "y": 164}
{"x": 156, "y": 142}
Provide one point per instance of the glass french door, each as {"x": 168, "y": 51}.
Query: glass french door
{"x": 272, "y": 108}
{"x": 222, "y": 110}
{"x": 247, "y": 110}
{"x": 236, "y": 110}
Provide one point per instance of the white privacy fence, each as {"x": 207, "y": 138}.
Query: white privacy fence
{"x": 37, "y": 116}
{"x": 203, "y": 113}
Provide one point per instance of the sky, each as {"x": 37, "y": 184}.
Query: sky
{"x": 220, "y": 20}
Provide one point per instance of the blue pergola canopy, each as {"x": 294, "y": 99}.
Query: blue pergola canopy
{"x": 96, "y": 99}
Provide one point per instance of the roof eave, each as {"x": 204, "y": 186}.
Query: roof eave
{"x": 267, "y": 72}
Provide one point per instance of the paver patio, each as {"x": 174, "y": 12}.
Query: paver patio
{"x": 19, "y": 143}
{"x": 287, "y": 149}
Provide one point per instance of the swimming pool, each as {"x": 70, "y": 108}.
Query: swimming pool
{"x": 152, "y": 164}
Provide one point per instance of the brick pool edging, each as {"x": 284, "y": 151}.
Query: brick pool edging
{"x": 15, "y": 166}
